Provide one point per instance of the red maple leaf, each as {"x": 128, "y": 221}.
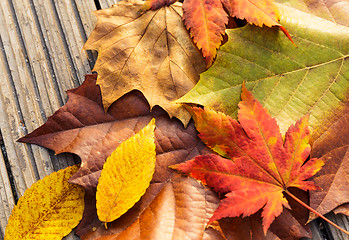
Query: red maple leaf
{"x": 262, "y": 166}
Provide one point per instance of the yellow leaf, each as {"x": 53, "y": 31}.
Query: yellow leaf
{"x": 126, "y": 174}
{"x": 48, "y": 210}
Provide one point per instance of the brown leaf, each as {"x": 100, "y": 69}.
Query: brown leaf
{"x": 343, "y": 209}
{"x": 149, "y": 51}
{"x": 334, "y": 181}
{"x": 289, "y": 225}
{"x": 180, "y": 210}
{"x": 285, "y": 227}
{"x": 332, "y": 142}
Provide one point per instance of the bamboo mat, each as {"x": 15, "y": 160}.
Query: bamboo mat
{"x": 41, "y": 58}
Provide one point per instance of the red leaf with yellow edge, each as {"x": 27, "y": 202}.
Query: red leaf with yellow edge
{"x": 206, "y": 22}
{"x": 262, "y": 164}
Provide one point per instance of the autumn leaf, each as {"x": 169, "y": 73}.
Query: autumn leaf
{"x": 262, "y": 165}
{"x": 126, "y": 174}
{"x": 148, "y": 51}
{"x": 331, "y": 142}
{"x": 257, "y": 12}
{"x": 331, "y": 10}
{"x": 250, "y": 228}
{"x": 156, "y": 4}
{"x": 206, "y": 21}
{"x": 289, "y": 82}
{"x": 49, "y": 209}
{"x": 176, "y": 209}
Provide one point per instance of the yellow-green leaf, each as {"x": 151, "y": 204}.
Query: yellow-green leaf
{"x": 126, "y": 174}
{"x": 48, "y": 210}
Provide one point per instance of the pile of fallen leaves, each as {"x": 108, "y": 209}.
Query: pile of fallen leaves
{"x": 253, "y": 152}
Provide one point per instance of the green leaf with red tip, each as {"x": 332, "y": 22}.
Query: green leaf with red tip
{"x": 261, "y": 166}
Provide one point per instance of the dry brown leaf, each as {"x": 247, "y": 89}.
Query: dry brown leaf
{"x": 180, "y": 210}
{"x": 149, "y": 51}
{"x": 331, "y": 141}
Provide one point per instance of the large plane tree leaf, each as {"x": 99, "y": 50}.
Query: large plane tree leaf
{"x": 290, "y": 82}
{"x": 262, "y": 166}
{"x": 126, "y": 174}
{"x": 49, "y": 209}
{"x": 149, "y": 51}
{"x": 82, "y": 127}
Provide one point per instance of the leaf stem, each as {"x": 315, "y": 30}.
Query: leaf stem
{"x": 316, "y": 212}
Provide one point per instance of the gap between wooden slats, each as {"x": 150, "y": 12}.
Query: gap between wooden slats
{"x": 6, "y": 198}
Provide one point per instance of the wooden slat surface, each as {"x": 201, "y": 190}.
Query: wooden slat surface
{"x": 41, "y": 58}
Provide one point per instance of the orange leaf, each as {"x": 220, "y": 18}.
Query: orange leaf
{"x": 257, "y": 12}
{"x": 156, "y": 4}
{"x": 263, "y": 166}
{"x": 206, "y": 22}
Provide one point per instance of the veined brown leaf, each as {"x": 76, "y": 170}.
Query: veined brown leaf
{"x": 149, "y": 51}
